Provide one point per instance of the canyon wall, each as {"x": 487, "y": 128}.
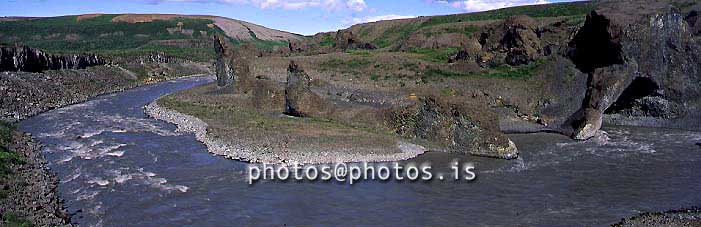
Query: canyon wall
{"x": 19, "y": 58}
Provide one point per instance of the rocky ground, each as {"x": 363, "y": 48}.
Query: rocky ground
{"x": 29, "y": 192}
{"x": 685, "y": 217}
{"x": 26, "y": 94}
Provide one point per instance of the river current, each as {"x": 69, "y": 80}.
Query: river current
{"x": 118, "y": 167}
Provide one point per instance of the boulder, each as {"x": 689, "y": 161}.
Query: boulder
{"x": 457, "y": 126}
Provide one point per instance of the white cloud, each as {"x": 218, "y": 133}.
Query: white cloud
{"x": 358, "y": 20}
{"x": 484, "y": 5}
{"x": 355, "y": 5}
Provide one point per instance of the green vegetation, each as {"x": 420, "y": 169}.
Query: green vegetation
{"x": 536, "y": 11}
{"x": 11, "y": 220}
{"x": 435, "y": 55}
{"x": 68, "y": 35}
{"x": 448, "y": 92}
{"x": 7, "y": 158}
{"x": 683, "y": 5}
{"x": 503, "y": 71}
{"x": 362, "y": 53}
{"x": 399, "y": 33}
{"x": 354, "y": 63}
{"x": 464, "y": 30}
{"x": 395, "y": 33}
{"x": 238, "y": 118}
{"x": 266, "y": 44}
{"x": 328, "y": 40}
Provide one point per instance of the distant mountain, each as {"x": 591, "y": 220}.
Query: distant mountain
{"x": 184, "y": 36}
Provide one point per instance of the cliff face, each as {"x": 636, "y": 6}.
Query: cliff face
{"x": 34, "y": 60}
{"x": 644, "y": 69}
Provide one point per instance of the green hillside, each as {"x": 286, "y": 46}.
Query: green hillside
{"x": 392, "y": 33}
{"x": 180, "y": 37}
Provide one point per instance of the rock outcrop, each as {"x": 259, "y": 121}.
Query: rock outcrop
{"x": 345, "y": 39}
{"x": 694, "y": 21}
{"x": 21, "y": 58}
{"x": 457, "y": 126}
{"x": 225, "y": 72}
{"x": 300, "y": 100}
{"x": 232, "y": 65}
{"x": 604, "y": 87}
{"x": 513, "y": 42}
{"x": 641, "y": 66}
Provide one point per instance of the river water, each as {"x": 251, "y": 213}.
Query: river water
{"x": 120, "y": 168}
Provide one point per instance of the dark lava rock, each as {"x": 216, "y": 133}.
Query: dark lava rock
{"x": 514, "y": 42}
{"x": 471, "y": 53}
{"x": 682, "y": 217}
{"x": 619, "y": 48}
{"x": 16, "y": 58}
{"x": 31, "y": 189}
{"x": 347, "y": 40}
{"x": 605, "y": 86}
{"x": 232, "y": 65}
{"x": 300, "y": 101}
{"x": 225, "y": 74}
{"x": 460, "y": 127}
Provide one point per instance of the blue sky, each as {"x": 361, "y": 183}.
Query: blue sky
{"x": 299, "y": 16}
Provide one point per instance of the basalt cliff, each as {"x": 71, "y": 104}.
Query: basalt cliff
{"x": 22, "y": 58}
{"x": 643, "y": 68}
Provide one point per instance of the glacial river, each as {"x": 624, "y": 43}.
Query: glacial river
{"x": 120, "y": 168}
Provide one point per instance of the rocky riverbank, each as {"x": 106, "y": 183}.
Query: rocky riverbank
{"x": 30, "y": 192}
{"x": 683, "y": 217}
{"x": 190, "y": 124}
{"x": 27, "y": 94}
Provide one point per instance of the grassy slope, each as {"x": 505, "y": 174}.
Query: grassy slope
{"x": 395, "y": 33}
{"x": 389, "y": 35}
{"x": 100, "y": 35}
